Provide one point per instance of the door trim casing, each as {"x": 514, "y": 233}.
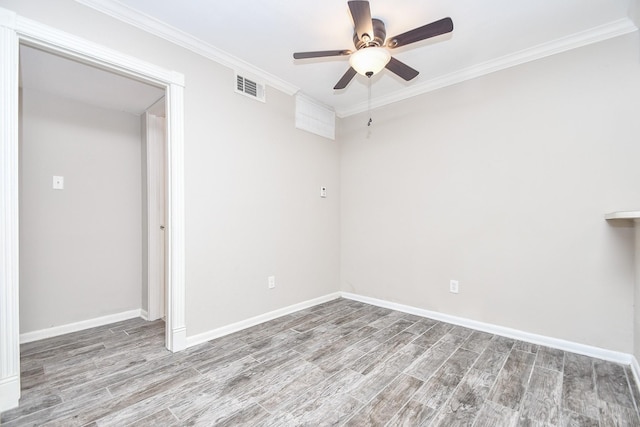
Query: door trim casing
{"x": 16, "y": 30}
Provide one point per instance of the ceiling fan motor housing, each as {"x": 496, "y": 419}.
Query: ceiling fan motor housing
{"x": 379, "y": 36}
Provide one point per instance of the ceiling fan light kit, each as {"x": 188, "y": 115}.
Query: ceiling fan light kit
{"x": 372, "y": 52}
{"x": 369, "y": 61}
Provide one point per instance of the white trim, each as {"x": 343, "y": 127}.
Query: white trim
{"x": 175, "y": 231}
{"x": 40, "y": 35}
{"x": 144, "y": 314}
{"x": 179, "y": 338}
{"x": 15, "y": 29}
{"x": 9, "y": 392}
{"x": 247, "y": 323}
{"x": 173, "y": 35}
{"x": 8, "y": 18}
{"x": 584, "y": 38}
{"x": 78, "y": 326}
{"x": 573, "y": 347}
{"x": 9, "y": 265}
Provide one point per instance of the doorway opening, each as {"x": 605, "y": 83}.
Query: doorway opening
{"x": 13, "y": 33}
{"x": 91, "y": 243}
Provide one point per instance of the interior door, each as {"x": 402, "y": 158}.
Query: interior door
{"x": 155, "y": 131}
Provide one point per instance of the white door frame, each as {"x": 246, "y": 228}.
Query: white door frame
{"x": 15, "y": 29}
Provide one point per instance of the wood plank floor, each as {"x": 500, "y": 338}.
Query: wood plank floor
{"x": 338, "y": 363}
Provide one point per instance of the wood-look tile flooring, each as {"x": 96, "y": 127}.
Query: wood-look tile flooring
{"x": 338, "y": 363}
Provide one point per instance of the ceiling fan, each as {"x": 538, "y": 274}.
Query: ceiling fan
{"x": 372, "y": 48}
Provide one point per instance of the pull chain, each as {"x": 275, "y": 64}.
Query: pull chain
{"x": 369, "y": 103}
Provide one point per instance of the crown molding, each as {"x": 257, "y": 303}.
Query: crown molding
{"x": 584, "y": 38}
{"x": 147, "y": 23}
{"x": 160, "y": 29}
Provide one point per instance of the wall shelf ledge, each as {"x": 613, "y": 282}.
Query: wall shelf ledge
{"x": 634, "y": 215}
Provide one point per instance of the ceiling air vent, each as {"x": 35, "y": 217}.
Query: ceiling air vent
{"x": 250, "y": 88}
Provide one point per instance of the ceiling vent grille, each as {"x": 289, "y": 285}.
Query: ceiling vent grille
{"x": 250, "y": 88}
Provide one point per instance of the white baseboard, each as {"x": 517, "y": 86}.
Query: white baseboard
{"x": 9, "y": 393}
{"x": 178, "y": 341}
{"x": 247, "y": 323}
{"x": 144, "y": 314}
{"x": 78, "y": 326}
{"x": 587, "y": 350}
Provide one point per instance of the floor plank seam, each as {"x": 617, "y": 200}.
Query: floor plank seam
{"x": 524, "y": 393}
{"x": 504, "y": 362}
{"x": 265, "y": 409}
{"x": 595, "y": 390}
{"x": 173, "y": 414}
{"x": 391, "y": 418}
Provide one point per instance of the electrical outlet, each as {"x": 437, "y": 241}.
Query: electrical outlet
{"x": 453, "y": 286}
{"x": 271, "y": 280}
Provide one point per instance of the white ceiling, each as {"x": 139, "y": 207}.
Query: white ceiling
{"x": 261, "y": 37}
{"x": 73, "y": 80}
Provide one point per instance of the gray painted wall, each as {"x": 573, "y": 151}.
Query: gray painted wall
{"x": 80, "y": 248}
{"x": 502, "y": 183}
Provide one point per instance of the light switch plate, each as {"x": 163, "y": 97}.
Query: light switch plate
{"x": 58, "y": 182}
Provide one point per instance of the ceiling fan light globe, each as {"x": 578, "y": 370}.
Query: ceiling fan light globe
{"x": 369, "y": 60}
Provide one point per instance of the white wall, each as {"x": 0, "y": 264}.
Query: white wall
{"x": 502, "y": 183}
{"x": 252, "y": 181}
{"x": 80, "y": 248}
{"x": 253, "y": 210}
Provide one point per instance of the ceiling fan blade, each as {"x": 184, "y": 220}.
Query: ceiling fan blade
{"x": 436, "y": 28}
{"x": 344, "y": 81}
{"x": 401, "y": 69}
{"x": 320, "y": 54}
{"x": 361, "y": 14}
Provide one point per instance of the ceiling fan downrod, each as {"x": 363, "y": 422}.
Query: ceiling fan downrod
{"x": 369, "y": 74}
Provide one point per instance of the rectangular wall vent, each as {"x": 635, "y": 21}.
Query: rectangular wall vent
{"x": 250, "y": 88}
